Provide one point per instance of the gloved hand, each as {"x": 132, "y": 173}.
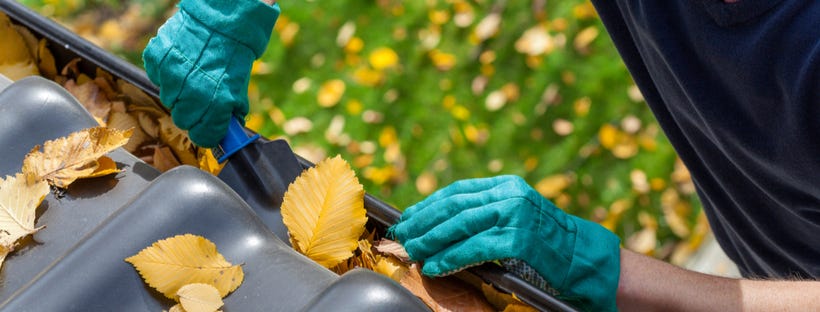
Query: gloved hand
{"x": 474, "y": 221}
{"x": 201, "y": 59}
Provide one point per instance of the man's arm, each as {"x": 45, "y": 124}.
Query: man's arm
{"x": 270, "y": 2}
{"x": 647, "y": 284}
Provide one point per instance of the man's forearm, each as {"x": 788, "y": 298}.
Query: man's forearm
{"x": 647, "y": 284}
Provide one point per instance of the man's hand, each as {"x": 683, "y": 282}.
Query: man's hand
{"x": 501, "y": 218}
{"x": 201, "y": 59}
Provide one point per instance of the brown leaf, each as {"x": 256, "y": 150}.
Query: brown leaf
{"x": 393, "y": 248}
{"x": 444, "y": 293}
{"x": 123, "y": 121}
{"x": 164, "y": 159}
{"x": 91, "y": 98}
{"x": 178, "y": 140}
{"x": 45, "y": 60}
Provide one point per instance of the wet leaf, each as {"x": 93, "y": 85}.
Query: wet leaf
{"x": 19, "y": 197}
{"x": 323, "y": 210}
{"x": 171, "y": 263}
{"x": 67, "y": 159}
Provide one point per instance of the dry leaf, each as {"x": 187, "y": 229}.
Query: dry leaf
{"x": 105, "y": 166}
{"x": 19, "y": 197}
{"x": 199, "y": 297}
{"x": 171, "y": 263}
{"x": 90, "y": 97}
{"x": 394, "y": 249}
{"x": 504, "y": 301}
{"x": 164, "y": 159}
{"x": 123, "y": 121}
{"x": 178, "y": 140}
{"x": 391, "y": 267}
{"x": 444, "y": 293}
{"x": 176, "y": 308}
{"x": 324, "y": 212}
{"x": 207, "y": 161}
{"x": 67, "y": 159}
{"x": 16, "y": 60}
{"x": 45, "y": 60}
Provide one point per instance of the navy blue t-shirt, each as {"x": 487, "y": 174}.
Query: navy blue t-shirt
{"x": 736, "y": 88}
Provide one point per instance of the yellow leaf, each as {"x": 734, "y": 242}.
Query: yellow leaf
{"x": 176, "y": 308}
{"x": 67, "y": 159}
{"x": 553, "y": 185}
{"x": 324, "y": 212}
{"x": 45, "y": 60}
{"x": 171, "y": 263}
{"x": 391, "y": 267}
{"x": 105, "y": 166}
{"x": 207, "y": 161}
{"x": 178, "y": 141}
{"x": 199, "y": 297}
{"x": 19, "y": 197}
{"x": 383, "y": 58}
{"x": 331, "y": 92}
{"x": 16, "y": 60}
{"x": 124, "y": 121}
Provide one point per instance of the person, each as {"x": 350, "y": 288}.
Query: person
{"x": 735, "y": 85}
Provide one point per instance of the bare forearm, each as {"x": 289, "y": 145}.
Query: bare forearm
{"x": 647, "y": 284}
{"x": 270, "y": 2}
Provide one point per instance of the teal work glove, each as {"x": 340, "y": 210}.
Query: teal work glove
{"x": 474, "y": 221}
{"x": 201, "y": 59}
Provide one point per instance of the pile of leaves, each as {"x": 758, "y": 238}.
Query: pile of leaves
{"x": 113, "y": 102}
{"x": 59, "y": 163}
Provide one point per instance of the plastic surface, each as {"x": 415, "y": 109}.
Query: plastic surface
{"x": 259, "y": 174}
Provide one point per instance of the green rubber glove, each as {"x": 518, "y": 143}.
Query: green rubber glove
{"x": 474, "y": 221}
{"x": 201, "y": 59}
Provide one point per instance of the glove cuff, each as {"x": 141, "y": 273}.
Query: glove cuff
{"x": 249, "y": 22}
{"x": 595, "y": 269}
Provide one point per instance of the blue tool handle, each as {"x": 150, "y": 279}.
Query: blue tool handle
{"x": 234, "y": 141}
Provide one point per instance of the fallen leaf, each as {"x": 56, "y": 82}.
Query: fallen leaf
{"x": 207, "y": 161}
{"x": 123, "y": 121}
{"x": 91, "y": 98}
{"x": 199, "y": 297}
{"x": 176, "y": 308}
{"x": 391, "y": 267}
{"x": 171, "y": 263}
{"x": 16, "y": 60}
{"x": 444, "y": 293}
{"x": 105, "y": 166}
{"x": 164, "y": 159}
{"x": 393, "y": 248}
{"x": 323, "y": 210}
{"x": 45, "y": 60}
{"x": 178, "y": 140}
{"x": 19, "y": 197}
{"x": 67, "y": 159}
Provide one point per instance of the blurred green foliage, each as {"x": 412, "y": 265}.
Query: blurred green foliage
{"x": 418, "y": 94}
